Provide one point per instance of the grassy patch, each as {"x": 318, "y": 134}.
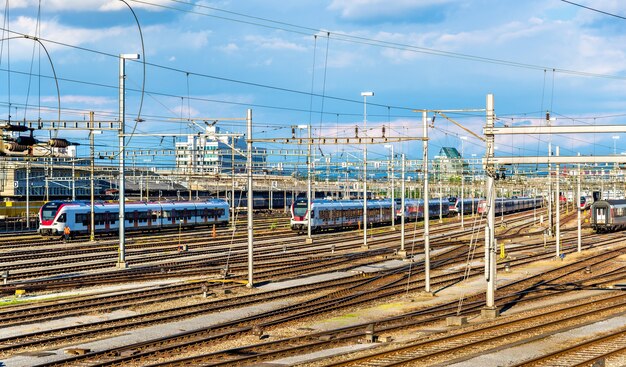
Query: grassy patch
{"x": 12, "y": 302}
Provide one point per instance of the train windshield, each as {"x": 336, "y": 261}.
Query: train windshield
{"x": 49, "y": 210}
{"x": 299, "y": 209}
{"x": 582, "y": 200}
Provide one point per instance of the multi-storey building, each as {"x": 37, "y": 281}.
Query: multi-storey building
{"x": 213, "y": 152}
{"x": 449, "y": 165}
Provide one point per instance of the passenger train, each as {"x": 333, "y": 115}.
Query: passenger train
{"x": 54, "y": 216}
{"x": 511, "y": 205}
{"x": 340, "y": 214}
{"x": 470, "y": 206}
{"x": 586, "y": 202}
{"x": 608, "y": 215}
{"x": 414, "y": 208}
{"x": 337, "y": 214}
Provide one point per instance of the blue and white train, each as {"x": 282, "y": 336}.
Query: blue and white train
{"x": 54, "y": 216}
{"x": 511, "y": 205}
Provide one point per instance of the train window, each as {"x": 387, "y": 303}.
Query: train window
{"x": 300, "y": 209}
{"x": 49, "y": 211}
{"x": 62, "y": 218}
{"x": 83, "y": 219}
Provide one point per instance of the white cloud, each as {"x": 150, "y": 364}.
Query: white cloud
{"x": 229, "y": 48}
{"x": 274, "y": 43}
{"x": 78, "y": 99}
{"x": 357, "y": 9}
{"x": 55, "y": 31}
{"x": 86, "y": 5}
{"x": 158, "y": 37}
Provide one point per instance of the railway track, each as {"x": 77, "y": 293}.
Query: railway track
{"x": 491, "y": 335}
{"x": 157, "y": 261}
{"x": 357, "y": 331}
{"x": 19, "y": 240}
{"x": 594, "y": 351}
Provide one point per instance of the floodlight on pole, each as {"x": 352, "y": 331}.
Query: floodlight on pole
{"x": 121, "y": 261}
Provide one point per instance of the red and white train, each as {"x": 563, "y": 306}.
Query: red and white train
{"x": 54, "y": 216}
{"x": 338, "y": 214}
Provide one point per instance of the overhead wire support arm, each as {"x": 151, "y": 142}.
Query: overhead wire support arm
{"x": 66, "y": 125}
{"x": 461, "y": 126}
{"x": 339, "y": 141}
{"x": 559, "y": 129}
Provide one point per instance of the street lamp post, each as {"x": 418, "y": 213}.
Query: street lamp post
{"x": 92, "y": 132}
{"x": 402, "y": 252}
{"x": 473, "y": 196}
{"x": 121, "y": 262}
{"x": 393, "y": 202}
{"x": 615, "y": 138}
{"x": 28, "y": 193}
{"x": 463, "y": 138}
{"x": 426, "y": 206}
{"x": 309, "y": 190}
{"x": 365, "y": 95}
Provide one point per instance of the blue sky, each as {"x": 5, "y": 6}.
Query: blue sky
{"x": 218, "y": 58}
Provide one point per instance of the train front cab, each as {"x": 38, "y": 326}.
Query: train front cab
{"x": 49, "y": 223}
{"x": 299, "y": 215}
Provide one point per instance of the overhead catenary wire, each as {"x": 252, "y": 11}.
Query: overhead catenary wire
{"x": 219, "y": 78}
{"x": 303, "y": 30}
{"x": 322, "y": 112}
{"x": 594, "y": 9}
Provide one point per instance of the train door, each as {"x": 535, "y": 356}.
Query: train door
{"x": 205, "y": 215}
{"x": 173, "y": 216}
{"x": 88, "y": 221}
{"x": 600, "y": 215}
{"x": 149, "y": 218}
{"x": 135, "y": 219}
{"x": 185, "y": 216}
{"x": 107, "y": 222}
